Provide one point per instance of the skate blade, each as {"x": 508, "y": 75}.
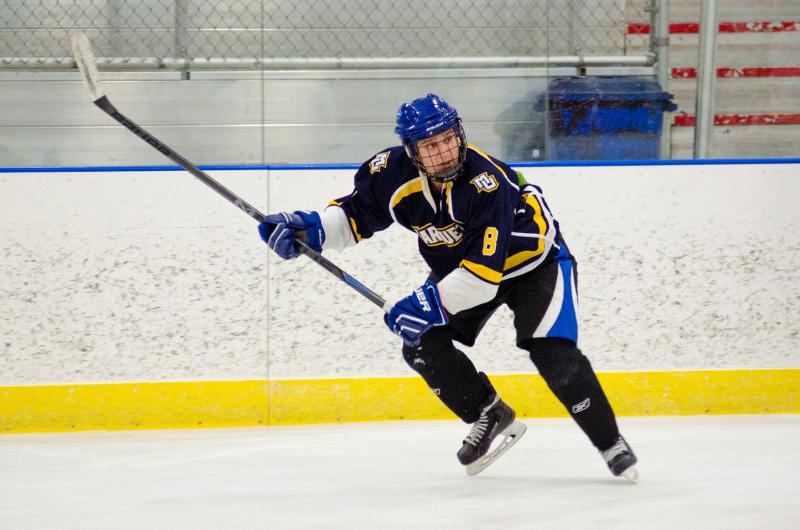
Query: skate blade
{"x": 631, "y": 474}
{"x": 511, "y": 435}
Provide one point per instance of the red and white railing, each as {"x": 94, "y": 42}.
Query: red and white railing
{"x": 732, "y": 73}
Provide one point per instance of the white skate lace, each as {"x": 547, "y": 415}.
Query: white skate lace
{"x": 479, "y": 427}
{"x": 478, "y": 430}
{"x": 615, "y": 450}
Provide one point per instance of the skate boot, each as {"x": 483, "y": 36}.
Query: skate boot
{"x": 621, "y": 460}
{"x": 496, "y": 419}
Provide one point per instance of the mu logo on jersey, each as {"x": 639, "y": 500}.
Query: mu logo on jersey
{"x": 484, "y": 182}
{"x": 380, "y": 161}
{"x": 434, "y": 236}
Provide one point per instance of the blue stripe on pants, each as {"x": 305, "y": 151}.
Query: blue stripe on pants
{"x": 566, "y": 324}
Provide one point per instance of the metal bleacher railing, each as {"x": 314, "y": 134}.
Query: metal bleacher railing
{"x": 245, "y": 34}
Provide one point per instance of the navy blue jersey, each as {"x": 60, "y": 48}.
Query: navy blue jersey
{"x": 488, "y": 221}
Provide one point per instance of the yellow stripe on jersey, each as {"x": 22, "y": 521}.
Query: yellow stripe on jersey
{"x": 538, "y": 218}
{"x": 538, "y": 215}
{"x": 482, "y": 271}
{"x": 409, "y": 188}
{"x": 520, "y": 258}
{"x": 447, "y": 191}
{"x": 355, "y": 229}
{"x": 484, "y": 155}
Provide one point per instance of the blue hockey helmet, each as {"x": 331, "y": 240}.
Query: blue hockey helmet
{"x": 426, "y": 117}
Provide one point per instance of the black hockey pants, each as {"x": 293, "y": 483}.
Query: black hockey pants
{"x": 452, "y": 376}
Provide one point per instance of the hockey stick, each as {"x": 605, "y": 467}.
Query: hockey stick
{"x": 87, "y": 64}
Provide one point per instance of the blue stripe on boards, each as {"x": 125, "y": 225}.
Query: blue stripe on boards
{"x": 614, "y": 163}
{"x": 290, "y": 167}
{"x": 234, "y": 167}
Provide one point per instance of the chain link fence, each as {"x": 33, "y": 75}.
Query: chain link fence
{"x": 188, "y": 33}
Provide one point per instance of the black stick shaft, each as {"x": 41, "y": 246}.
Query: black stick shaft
{"x": 106, "y": 106}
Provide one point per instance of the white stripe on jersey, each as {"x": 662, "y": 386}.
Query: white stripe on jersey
{"x": 336, "y": 226}
{"x": 449, "y": 199}
{"x": 426, "y": 191}
{"x": 461, "y": 290}
{"x": 535, "y": 236}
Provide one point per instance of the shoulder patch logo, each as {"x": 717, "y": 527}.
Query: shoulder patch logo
{"x": 485, "y": 182}
{"x": 380, "y": 161}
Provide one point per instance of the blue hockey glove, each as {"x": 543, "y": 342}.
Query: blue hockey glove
{"x": 281, "y": 230}
{"x": 417, "y": 313}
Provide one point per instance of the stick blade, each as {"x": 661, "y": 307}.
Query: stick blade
{"x": 87, "y": 63}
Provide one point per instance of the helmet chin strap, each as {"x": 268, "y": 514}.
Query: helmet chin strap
{"x": 443, "y": 176}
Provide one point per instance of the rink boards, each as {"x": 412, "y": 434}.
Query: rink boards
{"x": 140, "y": 299}
{"x": 249, "y": 403}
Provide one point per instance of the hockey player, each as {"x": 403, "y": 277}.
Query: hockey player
{"x": 489, "y": 239}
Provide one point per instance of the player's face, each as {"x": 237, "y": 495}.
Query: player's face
{"x": 439, "y": 153}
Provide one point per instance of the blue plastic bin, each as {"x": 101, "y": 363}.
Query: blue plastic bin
{"x": 605, "y": 118}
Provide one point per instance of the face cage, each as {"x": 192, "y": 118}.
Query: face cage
{"x": 448, "y": 174}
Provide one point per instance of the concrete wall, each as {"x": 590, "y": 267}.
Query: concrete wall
{"x": 150, "y": 276}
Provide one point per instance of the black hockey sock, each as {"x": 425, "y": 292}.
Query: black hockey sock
{"x": 570, "y": 376}
{"x": 449, "y": 373}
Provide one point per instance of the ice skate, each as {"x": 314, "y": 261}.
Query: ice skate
{"x": 497, "y": 419}
{"x": 621, "y": 460}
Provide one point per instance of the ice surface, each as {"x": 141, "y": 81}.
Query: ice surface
{"x": 725, "y": 472}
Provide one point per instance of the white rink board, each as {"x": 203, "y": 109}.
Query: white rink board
{"x": 151, "y": 276}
